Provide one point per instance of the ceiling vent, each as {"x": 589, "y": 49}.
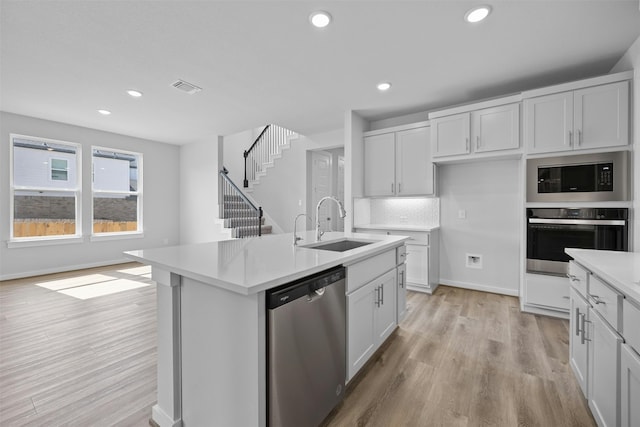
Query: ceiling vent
{"x": 186, "y": 87}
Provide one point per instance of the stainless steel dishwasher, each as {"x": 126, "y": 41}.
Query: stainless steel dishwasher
{"x": 306, "y": 349}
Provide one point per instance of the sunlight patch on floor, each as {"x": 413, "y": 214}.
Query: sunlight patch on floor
{"x": 104, "y": 288}
{"x": 96, "y": 285}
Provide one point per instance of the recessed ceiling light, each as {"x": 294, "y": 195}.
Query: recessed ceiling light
{"x": 104, "y": 112}
{"x": 320, "y": 18}
{"x": 384, "y": 86}
{"x": 477, "y": 14}
{"x": 134, "y": 93}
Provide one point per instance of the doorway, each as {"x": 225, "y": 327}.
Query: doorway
{"x": 326, "y": 178}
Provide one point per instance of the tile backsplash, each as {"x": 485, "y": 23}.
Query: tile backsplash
{"x": 394, "y": 211}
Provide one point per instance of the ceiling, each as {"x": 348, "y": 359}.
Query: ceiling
{"x": 261, "y": 62}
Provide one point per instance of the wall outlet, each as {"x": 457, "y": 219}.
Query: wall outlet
{"x": 462, "y": 214}
{"x": 474, "y": 261}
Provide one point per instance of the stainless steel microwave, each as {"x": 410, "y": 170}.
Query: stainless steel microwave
{"x": 601, "y": 177}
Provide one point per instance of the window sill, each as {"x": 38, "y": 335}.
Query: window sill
{"x": 117, "y": 236}
{"x": 44, "y": 241}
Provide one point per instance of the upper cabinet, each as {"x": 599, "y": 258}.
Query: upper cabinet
{"x": 592, "y": 117}
{"x": 491, "y": 129}
{"x": 398, "y": 163}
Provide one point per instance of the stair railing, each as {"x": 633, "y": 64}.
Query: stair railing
{"x": 262, "y": 151}
{"x": 234, "y": 206}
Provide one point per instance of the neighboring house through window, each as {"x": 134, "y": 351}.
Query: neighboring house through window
{"x": 117, "y": 191}
{"x": 45, "y": 188}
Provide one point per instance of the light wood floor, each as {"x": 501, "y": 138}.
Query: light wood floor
{"x": 467, "y": 358}
{"x": 71, "y": 362}
{"x": 461, "y": 358}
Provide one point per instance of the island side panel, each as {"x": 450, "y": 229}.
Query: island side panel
{"x": 223, "y": 356}
{"x": 167, "y": 411}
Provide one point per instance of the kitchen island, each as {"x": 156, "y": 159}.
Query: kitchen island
{"x": 212, "y": 319}
{"x": 604, "y": 339}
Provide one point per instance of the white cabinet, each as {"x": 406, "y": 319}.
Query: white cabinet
{"x": 496, "y": 128}
{"x": 484, "y": 130}
{"x": 629, "y": 387}
{"x": 593, "y": 117}
{"x": 386, "y": 305}
{"x": 398, "y": 163}
{"x": 361, "y": 335}
{"x": 450, "y": 135}
{"x": 401, "y": 297}
{"x": 578, "y": 344}
{"x": 371, "y": 306}
{"x": 371, "y": 314}
{"x": 604, "y": 372}
{"x": 422, "y": 258}
{"x": 379, "y": 166}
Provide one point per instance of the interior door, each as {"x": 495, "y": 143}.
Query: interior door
{"x": 321, "y": 186}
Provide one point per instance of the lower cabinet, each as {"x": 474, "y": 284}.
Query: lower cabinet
{"x": 371, "y": 314}
{"x": 604, "y": 373}
{"x": 629, "y": 387}
{"x": 402, "y": 292}
{"x": 578, "y": 341}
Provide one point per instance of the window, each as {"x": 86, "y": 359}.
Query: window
{"x": 45, "y": 188}
{"x": 59, "y": 170}
{"x": 117, "y": 191}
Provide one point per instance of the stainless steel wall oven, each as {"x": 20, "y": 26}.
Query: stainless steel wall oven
{"x": 551, "y": 230}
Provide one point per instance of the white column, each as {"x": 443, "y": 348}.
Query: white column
{"x": 167, "y": 412}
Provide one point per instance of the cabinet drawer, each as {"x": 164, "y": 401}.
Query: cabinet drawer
{"x": 630, "y": 322}
{"x": 365, "y": 271}
{"x": 606, "y": 301}
{"x": 401, "y": 254}
{"x": 547, "y": 291}
{"x": 578, "y": 278}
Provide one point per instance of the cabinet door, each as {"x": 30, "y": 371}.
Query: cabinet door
{"x": 386, "y": 318}
{"x": 418, "y": 265}
{"x": 604, "y": 372}
{"x": 601, "y": 116}
{"x": 414, "y": 169}
{"x": 548, "y": 122}
{"x": 578, "y": 346}
{"x": 450, "y": 135}
{"x": 402, "y": 292}
{"x": 496, "y": 128}
{"x": 630, "y": 387}
{"x": 361, "y": 335}
{"x": 379, "y": 165}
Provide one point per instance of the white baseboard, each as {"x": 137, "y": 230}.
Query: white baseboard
{"x": 478, "y": 287}
{"x": 63, "y": 269}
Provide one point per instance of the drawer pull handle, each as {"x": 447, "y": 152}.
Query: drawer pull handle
{"x": 596, "y": 299}
{"x": 583, "y": 339}
{"x": 573, "y": 278}
{"x": 577, "y": 322}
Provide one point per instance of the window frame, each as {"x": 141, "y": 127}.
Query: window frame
{"x": 139, "y": 232}
{"x": 76, "y": 190}
{"x": 52, "y": 169}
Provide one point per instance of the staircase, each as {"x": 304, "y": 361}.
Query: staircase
{"x": 238, "y": 213}
{"x": 267, "y": 147}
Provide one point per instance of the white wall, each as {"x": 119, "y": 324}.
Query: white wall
{"x": 631, "y": 61}
{"x": 354, "y": 128}
{"x": 282, "y": 193}
{"x": 199, "y": 166}
{"x": 489, "y": 193}
{"x": 160, "y": 201}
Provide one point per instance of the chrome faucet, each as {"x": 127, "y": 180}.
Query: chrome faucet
{"x": 343, "y": 213}
{"x": 295, "y": 223}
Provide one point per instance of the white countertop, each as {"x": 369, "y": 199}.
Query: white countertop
{"x": 248, "y": 266}
{"x": 619, "y": 269}
{"x": 398, "y": 227}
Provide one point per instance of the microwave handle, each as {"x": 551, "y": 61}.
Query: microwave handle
{"x": 577, "y": 221}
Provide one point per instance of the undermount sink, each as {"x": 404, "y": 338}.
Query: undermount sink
{"x": 338, "y": 245}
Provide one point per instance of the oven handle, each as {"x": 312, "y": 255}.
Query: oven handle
{"x": 577, "y": 221}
